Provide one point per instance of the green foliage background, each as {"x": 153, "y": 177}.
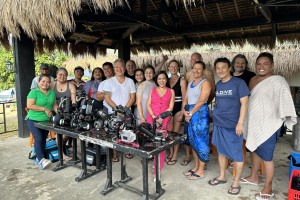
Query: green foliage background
{"x": 7, "y": 80}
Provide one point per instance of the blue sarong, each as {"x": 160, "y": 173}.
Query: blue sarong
{"x": 228, "y": 143}
{"x": 266, "y": 150}
{"x": 198, "y": 132}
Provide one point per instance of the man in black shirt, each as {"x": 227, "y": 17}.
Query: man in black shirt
{"x": 130, "y": 68}
{"x": 240, "y": 68}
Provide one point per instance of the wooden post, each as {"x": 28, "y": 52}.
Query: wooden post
{"x": 24, "y": 73}
{"x": 124, "y": 48}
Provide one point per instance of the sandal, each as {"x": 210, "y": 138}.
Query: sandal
{"x": 188, "y": 173}
{"x": 216, "y": 181}
{"x": 168, "y": 158}
{"x": 195, "y": 176}
{"x": 171, "y": 162}
{"x": 261, "y": 196}
{"x": 185, "y": 162}
{"x": 129, "y": 156}
{"x": 230, "y": 191}
{"x": 244, "y": 180}
{"x": 115, "y": 159}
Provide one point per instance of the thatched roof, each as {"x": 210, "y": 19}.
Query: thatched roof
{"x": 92, "y": 26}
{"x": 286, "y": 57}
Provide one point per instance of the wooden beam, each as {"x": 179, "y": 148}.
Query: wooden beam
{"x": 283, "y": 3}
{"x": 237, "y": 9}
{"x": 219, "y": 11}
{"x": 221, "y": 26}
{"x": 226, "y": 32}
{"x": 204, "y": 15}
{"x": 123, "y": 16}
{"x": 153, "y": 23}
{"x": 265, "y": 11}
{"x": 131, "y": 30}
{"x": 188, "y": 13}
{"x": 98, "y": 40}
{"x": 255, "y": 10}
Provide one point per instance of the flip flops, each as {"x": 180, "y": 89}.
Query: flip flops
{"x": 168, "y": 158}
{"x": 188, "y": 173}
{"x": 171, "y": 162}
{"x": 195, "y": 176}
{"x": 245, "y": 181}
{"x": 230, "y": 191}
{"x": 261, "y": 196}
{"x": 185, "y": 162}
{"x": 216, "y": 181}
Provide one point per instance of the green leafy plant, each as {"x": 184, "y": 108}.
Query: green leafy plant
{"x": 7, "y": 79}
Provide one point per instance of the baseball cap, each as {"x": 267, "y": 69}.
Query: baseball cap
{"x": 44, "y": 66}
{"x": 79, "y": 67}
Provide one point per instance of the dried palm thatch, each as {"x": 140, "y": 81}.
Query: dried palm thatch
{"x": 286, "y": 60}
{"x": 102, "y": 51}
{"x": 50, "y": 45}
{"x": 62, "y": 46}
{"x": 39, "y": 46}
{"x": 87, "y": 62}
{"x": 45, "y": 18}
{"x": 51, "y": 18}
{"x": 5, "y": 42}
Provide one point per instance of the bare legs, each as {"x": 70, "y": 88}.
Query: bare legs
{"x": 176, "y": 125}
{"x": 199, "y": 165}
{"x": 222, "y": 167}
{"x": 269, "y": 168}
{"x": 235, "y": 187}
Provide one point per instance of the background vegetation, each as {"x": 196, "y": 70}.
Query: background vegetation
{"x": 7, "y": 79}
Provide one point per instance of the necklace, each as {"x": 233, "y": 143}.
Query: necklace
{"x": 161, "y": 92}
{"x": 60, "y": 87}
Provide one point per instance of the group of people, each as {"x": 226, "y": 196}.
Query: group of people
{"x": 248, "y": 106}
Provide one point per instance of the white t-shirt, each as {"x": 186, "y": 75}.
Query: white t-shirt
{"x": 100, "y": 87}
{"x": 120, "y": 92}
{"x": 35, "y": 81}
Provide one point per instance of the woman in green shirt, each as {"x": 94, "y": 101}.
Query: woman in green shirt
{"x": 40, "y": 103}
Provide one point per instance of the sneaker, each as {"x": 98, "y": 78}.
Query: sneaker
{"x": 44, "y": 163}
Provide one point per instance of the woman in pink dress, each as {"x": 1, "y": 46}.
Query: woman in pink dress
{"x": 161, "y": 99}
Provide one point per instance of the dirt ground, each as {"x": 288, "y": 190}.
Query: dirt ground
{"x": 21, "y": 179}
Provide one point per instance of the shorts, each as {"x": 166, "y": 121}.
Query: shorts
{"x": 266, "y": 150}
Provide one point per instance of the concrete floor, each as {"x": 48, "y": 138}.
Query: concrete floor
{"x": 21, "y": 179}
